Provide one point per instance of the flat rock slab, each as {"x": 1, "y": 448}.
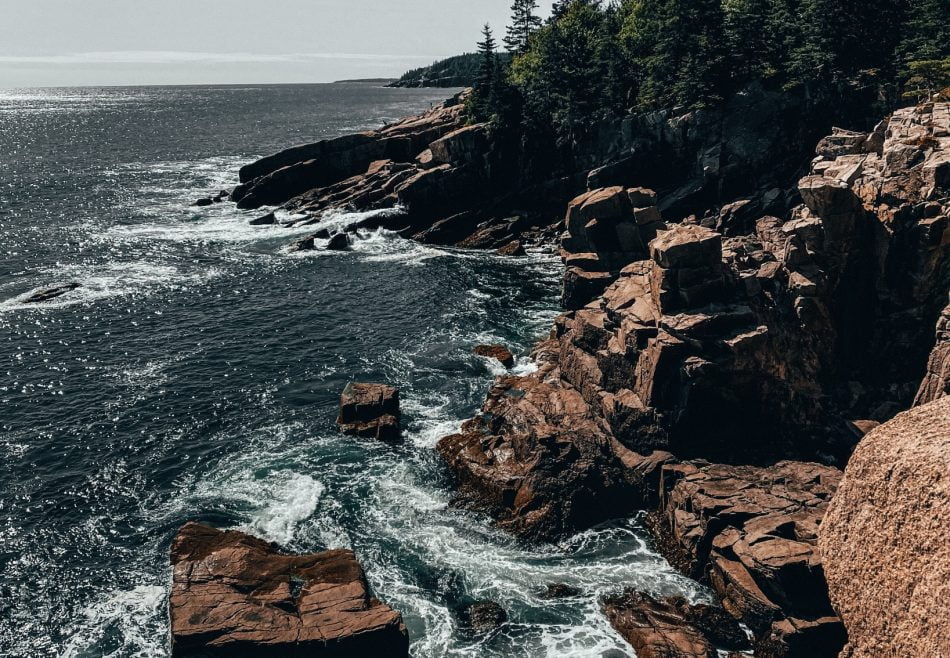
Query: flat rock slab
{"x": 235, "y": 595}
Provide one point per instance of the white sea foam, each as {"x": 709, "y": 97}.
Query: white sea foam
{"x": 286, "y": 499}
{"x": 135, "y": 615}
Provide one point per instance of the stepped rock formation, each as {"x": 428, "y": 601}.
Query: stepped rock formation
{"x": 883, "y": 541}
{"x": 236, "y": 595}
{"x": 768, "y": 339}
{"x": 370, "y": 411}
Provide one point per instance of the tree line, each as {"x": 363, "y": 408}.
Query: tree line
{"x": 593, "y": 59}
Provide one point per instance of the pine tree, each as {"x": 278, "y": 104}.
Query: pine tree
{"x": 480, "y": 103}
{"x": 524, "y": 23}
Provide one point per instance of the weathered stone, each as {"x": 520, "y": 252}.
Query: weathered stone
{"x": 233, "y": 594}
{"x": 266, "y": 220}
{"x": 498, "y": 352}
{"x": 483, "y": 616}
{"x": 370, "y": 411}
{"x": 672, "y": 628}
{"x": 883, "y": 540}
{"x": 339, "y": 242}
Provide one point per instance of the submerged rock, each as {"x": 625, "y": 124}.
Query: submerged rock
{"x": 498, "y": 352}
{"x": 483, "y": 616}
{"x": 370, "y": 411}
{"x": 49, "y": 293}
{"x": 206, "y": 201}
{"x": 561, "y": 591}
{"x": 236, "y": 595}
{"x": 884, "y": 539}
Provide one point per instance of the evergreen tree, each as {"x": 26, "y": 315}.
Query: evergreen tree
{"x": 481, "y": 100}
{"x": 524, "y": 23}
{"x": 926, "y": 32}
{"x": 678, "y": 47}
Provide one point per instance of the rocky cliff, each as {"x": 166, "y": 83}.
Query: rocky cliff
{"x": 728, "y": 337}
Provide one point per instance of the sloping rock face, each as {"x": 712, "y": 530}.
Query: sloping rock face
{"x": 883, "y": 541}
{"x": 236, "y": 595}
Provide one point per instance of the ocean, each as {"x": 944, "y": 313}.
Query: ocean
{"x": 196, "y": 371}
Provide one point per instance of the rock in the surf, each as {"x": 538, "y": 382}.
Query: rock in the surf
{"x": 50, "y": 292}
{"x": 233, "y": 594}
{"x": 205, "y": 201}
{"x": 339, "y": 242}
{"x": 672, "y": 627}
{"x": 370, "y": 411}
{"x": 303, "y": 244}
{"x": 266, "y": 220}
{"x": 483, "y": 616}
{"x": 497, "y": 352}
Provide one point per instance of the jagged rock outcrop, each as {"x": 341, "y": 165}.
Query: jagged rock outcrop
{"x": 498, "y": 352}
{"x": 883, "y": 540}
{"x": 936, "y": 383}
{"x": 672, "y": 628}
{"x": 49, "y": 293}
{"x": 370, "y": 411}
{"x": 233, "y": 594}
{"x": 751, "y": 533}
{"x": 782, "y": 338}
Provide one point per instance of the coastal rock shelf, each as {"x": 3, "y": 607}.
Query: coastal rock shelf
{"x": 772, "y": 347}
{"x": 236, "y": 595}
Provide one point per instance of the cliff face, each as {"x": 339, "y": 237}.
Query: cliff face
{"x": 713, "y": 314}
{"x": 785, "y": 342}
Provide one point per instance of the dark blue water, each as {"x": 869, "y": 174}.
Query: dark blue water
{"x": 196, "y": 372}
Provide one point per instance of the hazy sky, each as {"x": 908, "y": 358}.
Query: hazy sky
{"x": 108, "y": 42}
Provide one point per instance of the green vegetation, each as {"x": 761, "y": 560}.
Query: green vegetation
{"x": 592, "y": 59}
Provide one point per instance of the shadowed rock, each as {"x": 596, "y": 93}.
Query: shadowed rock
{"x": 370, "y": 411}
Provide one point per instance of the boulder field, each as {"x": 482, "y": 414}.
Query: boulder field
{"x": 730, "y": 335}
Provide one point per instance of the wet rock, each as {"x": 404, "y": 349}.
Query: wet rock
{"x": 205, "y": 201}
{"x": 303, "y": 244}
{"x": 322, "y": 234}
{"x": 370, "y": 411}
{"x": 883, "y": 540}
{"x": 266, "y": 220}
{"x": 561, "y": 591}
{"x": 49, "y": 293}
{"x": 497, "y": 352}
{"x": 339, "y": 242}
{"x": 672, "y": 628}
{"x": 483, "y": 616}
{"x": 513, "y": 248}
{"x": 233, "y": 594}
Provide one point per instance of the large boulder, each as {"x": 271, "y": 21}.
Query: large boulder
{"x": 884, "y": 538}
{"x": 936, "y": 383}
{"x": 236, "y": 595}
{"x": 370, "y": 411}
